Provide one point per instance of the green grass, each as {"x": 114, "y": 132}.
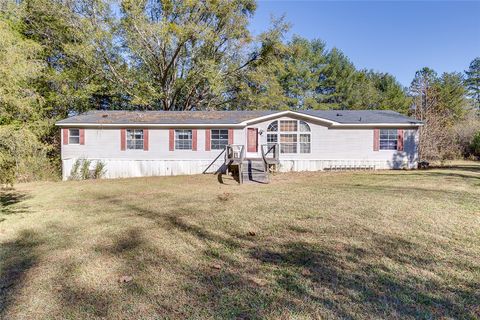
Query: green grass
{"x": 363, "y": 245}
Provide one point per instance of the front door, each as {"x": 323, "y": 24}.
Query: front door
{"x": 252, "y": 142}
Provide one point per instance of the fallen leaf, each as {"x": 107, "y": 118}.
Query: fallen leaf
{"x": 217, "y": 266}
{"x": 125, "y": 279}
{"x": 306, "y": 272}
{"x": 259, "y": 282}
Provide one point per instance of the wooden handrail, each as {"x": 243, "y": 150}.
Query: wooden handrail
{"x": 205, "y": 171}
{"x": 230, "y": 157}
{"x": 264, "y": 154}
{"x": 230, "y": 152}
{"x": 274, "y": 147}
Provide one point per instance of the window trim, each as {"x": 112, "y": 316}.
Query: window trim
{"x": 212, "y": 139}
{"x": 70, "y": 135}
{"x": 388, "y": 139}
{"x": 175, "y": 139}
{"x": 134, "y": 139}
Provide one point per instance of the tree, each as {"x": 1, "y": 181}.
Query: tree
{"x": 185, "y": 54}
{"x": 423, "y": 92}
{"x": 303, "y": 64}
{"x": 392, "y": 95}
{"x": 22, "y": 155}
{"x": 440, "y": 103}
{"x": 361, "y": 94}
{"x": 452, "y": 95}
{"x": 19, "y": 67}
{"x": 465, "y": 131}
{"x": 473, "y": 81}
{"x": 76, "y": 39}
{"x": 475, "y": 145}
{"x": 336, "y": 79}
{"x": 259, "y": 84}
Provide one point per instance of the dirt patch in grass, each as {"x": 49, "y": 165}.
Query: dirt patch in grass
{"x": 361, "y": 245}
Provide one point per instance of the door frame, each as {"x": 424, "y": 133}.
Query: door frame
{"x": 253, "y": 154}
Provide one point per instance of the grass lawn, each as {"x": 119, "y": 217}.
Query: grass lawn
{"x": 362, "y": 245}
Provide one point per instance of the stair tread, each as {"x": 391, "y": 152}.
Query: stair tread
{"x": 255, "y": 181}
{"x": 255, "y": 171}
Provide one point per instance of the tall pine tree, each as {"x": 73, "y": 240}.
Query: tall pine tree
{"x": 473, "y": 81}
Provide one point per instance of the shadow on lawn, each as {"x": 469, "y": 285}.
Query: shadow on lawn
{"x": 9, "y": 202}
{"x": 468, "y": 172}
{"x": 344, "y": 280}
{"x": 74, "y": 296}
{"x": 19, "y": 256}
{"x": 80, "y": 300}
{"x": 16, "y": 258}
{"x": 252, "y": 277}
{"x": 368, "y": 287}
{"x": 455, "y": 172}
{"x": 463, "y": 168}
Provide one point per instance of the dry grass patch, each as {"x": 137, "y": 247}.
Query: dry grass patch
{"x": 397, "y": 244}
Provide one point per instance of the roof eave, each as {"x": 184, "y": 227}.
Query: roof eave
{"x": 148, "y": 125}
{"x": 229, "y": 125}
{"x": 376, "y": 125}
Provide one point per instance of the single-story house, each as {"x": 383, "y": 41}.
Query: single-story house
{"x": 159, "y": 143}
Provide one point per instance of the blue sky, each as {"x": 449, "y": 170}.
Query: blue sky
{"x": 398, "y": 37}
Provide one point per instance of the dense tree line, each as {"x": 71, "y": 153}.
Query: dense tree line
{"x": 62, "y": 57}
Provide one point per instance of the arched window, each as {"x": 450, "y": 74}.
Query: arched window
{"x": 293, "y": 135}
{"x": 304, "y": 127}
{"x": 273, "y": 127}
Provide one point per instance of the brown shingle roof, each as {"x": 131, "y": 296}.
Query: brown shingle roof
{"x": 231, "y": 117}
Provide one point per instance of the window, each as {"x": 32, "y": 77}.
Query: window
{"x": 288, "y": 125}
{"x": 272, "y": 139}
{"x": 388, "y": 139}
{"x": 73, "y": 136}
{"x": 219, "y": 139}
{"x": 294, "y": 136}
{"x": 288, "y": 143}
{"x": 183, "y": 139}
{"x": 134, "y": 139}
{"x": 273, "y": 127}
{"x": 304, "y": 143}
{"x": 304, "y": 127}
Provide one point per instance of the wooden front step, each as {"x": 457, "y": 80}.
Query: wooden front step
{"x": 253, "y": 170}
